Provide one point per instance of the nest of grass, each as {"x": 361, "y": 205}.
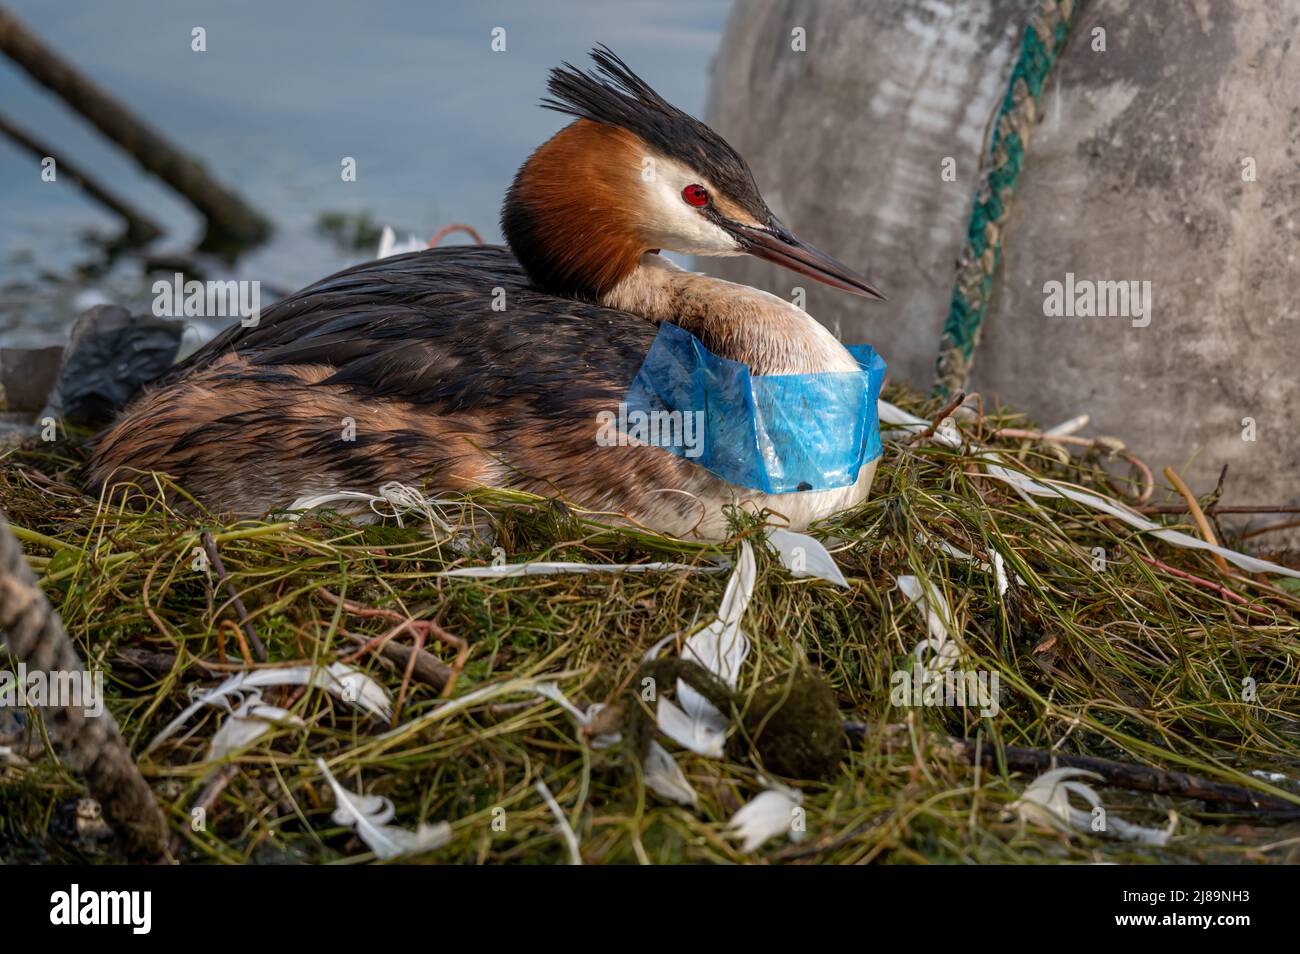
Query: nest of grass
{"x": 1141, "y": 661}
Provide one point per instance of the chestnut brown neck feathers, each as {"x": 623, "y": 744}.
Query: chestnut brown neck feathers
{"x": 568, "y": 216}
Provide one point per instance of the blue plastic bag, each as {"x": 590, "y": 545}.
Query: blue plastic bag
{"x": 773, "y": 433}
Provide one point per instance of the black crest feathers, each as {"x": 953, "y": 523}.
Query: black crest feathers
{"x": 613, "y": 95}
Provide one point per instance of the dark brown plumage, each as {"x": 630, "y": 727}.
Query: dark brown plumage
{"x": 441, "y": 387}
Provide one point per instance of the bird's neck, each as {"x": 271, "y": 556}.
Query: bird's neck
{"x": 733, "y": 321}
{"x": 566, "y": 216}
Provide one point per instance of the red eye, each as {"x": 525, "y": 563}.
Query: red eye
{"x": 696, "y": 195}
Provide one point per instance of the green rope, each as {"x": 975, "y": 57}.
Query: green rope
{"x": 982, "y": 251}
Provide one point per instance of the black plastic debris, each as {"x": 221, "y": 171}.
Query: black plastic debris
{"x": 112, "y": 354}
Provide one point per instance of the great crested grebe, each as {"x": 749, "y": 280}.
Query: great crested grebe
{"x": 484, "y": 366}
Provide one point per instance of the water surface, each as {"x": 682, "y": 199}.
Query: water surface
{"x": 437, "y": 122}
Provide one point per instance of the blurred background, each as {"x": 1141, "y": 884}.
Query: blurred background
{"x": 437, "y": 122}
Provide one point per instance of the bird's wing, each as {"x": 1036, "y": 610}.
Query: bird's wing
{"x": 454, "y": 329}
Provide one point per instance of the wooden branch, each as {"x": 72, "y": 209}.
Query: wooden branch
{"x": 231, "y": 221}
{"x": 946, "y": 411}
{"x": 1138, "y": 778}
{"x": 139, "y": 227}
{"x": 427, "y": 668}
{"x": 417, "y": 664}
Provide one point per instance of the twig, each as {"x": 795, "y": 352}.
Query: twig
{"x": 210, "y": 548}
{"x": 1271, "y": 528}
{"x": 1138, "y": 778}
{"x": 1195, "y": 509}
{"x": 952, "y": 405}
{"x": 157, "y": 664}
{"x": 1208, "y": 584}
{"x": 1148, "y": 479}
{"x": 239, "y": 638}
{"x": 208, "y": 797}
{"x": 1217, "y": 494}
{"x": 420, "y": 629}
{"x": 427, "y": 669}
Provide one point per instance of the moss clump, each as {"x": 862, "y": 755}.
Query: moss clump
{"x": 792, "y": 722}
{"x": 795, "y": 724}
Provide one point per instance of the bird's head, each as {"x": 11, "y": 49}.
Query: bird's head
{"x": 634, "y": 174}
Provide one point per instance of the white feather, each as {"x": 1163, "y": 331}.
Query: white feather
{"x": 388, "y": 244}
{"x": 661, "y": 772}
{"x": 767, "y": 815}
{"x": 997, "y": 567}
{"x": 1000, "y": 572}
{"x": 1047, "y": 801}
{"x": 664, "y": 776}
{"x": 541, "y": 568}
{"x": 704, "y": 733}
{"x": 561, "y": 822}
{"x": 553, "y": 692}
{"x": 804, "y": 556}
{"x": 721, "y": 647}
{"x": 1066, "y": 428}
{"x": 369, "y": 816}
{"x": 340, "y": 680}
{"x": 941, "y": 642}
{"x": 247, "y": 723}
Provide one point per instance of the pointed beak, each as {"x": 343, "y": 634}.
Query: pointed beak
{"x": 777, "y": 244}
